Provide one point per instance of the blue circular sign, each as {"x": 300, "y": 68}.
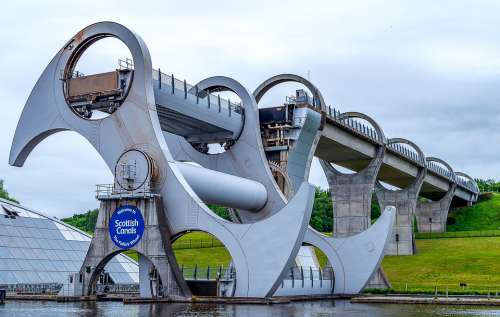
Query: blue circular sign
{"x": 126, "y": 226}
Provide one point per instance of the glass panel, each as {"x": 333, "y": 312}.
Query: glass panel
{"x": 4, "y": 277}
{"x": 33, "y": 277}
{"x": 45, "y": 233}
{"x": 29, "y": 222}
{"x": 16, "y": 253}
{"x": 50, "y": 254}
{"x": 36, "y": 233}
{"x": 56, "y": 234}
{"x": 76, "y": 265}
{"x": 25, "y": 232}
{"x": 57, "y": 277}
{"x": 35, "y": 264}
{"x": 22, "y": 264}
{"x": 21, "y": 242}
{"x": 45, "y": 277}
{"x": 17, "y": 222}
{"x": 32, "y": 243}
{"x": 11, "y": 231}
{"x": 47, "y": 264}
{"x": 4, "y": 252}
{"x": 4, "y": 221}
{"x": 20, "y": 276}
{"x": 59, "y": 265}
{"x": 10, "y": 264}
{"x": 28, "y": 253}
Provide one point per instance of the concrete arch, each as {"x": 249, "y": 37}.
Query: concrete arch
{"x": 99, "y": 268}
{"x": 420, "y": 153}
{"x": 178, "y": 235}
{"x": 461, "y": 174}
{"x": 376, "y": 126}
{"x": 440, "y": 161}
{"x": 263, "y": 88}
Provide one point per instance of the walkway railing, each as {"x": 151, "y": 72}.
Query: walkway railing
{"x": 41, "y": 288}
{"x": 104, "y": 191}
{"x": 181, "y": 87}
{"x": 208, "y": 273}
{"x": 117, "y": 288}
{"x": 302, "y": 276}
{"x": 360, "y": 128}
{"x": 353, "y": 124}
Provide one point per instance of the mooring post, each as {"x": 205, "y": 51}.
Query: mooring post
{"x": 312, "y": 279}
{"x": 159, "y": 78}
{"x": 320, "y": 278}
{"x": 185, "y": 90}
{"x": 302, "y": 275}
{"x": 173, "y": 84}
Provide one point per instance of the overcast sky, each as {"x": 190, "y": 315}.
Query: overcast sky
{"x": 426, "y": 72}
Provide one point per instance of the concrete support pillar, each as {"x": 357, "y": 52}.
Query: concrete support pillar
{"x": 352, "y": 196}
{"x": 402, "y": 240}
{"x": 432, "y": 215}
{"x": 154, "y": 247}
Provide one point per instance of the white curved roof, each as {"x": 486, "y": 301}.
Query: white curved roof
{"x": 35, "y": 248}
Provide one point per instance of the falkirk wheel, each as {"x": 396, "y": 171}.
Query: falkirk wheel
{"x": 153, "y": 137}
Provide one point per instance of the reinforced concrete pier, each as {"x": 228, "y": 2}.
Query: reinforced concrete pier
{"x": 402, "y": 241}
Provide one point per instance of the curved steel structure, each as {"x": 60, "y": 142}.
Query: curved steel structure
{"x": 164, "y": 124}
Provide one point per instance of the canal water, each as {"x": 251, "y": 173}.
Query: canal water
{"x": 302, "y": 309}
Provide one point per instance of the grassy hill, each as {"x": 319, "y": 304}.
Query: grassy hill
{"x": 447, "y": 262}
{"x": 484, "y": 215}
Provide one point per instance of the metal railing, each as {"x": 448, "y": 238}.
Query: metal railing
{"x": 183, "y": 88}
{"x": 208, "y": 273}
{"x": 353, "y": 124}
{"x": 104, "y": 191}
{"x": 439, "y": 170}
{"x": 41, "y": 288}
{"x": 117, "y": 288}
{"x": 126, "y": 63}
{"x": 300, "y": 275}
{"x": 369, "y": 132}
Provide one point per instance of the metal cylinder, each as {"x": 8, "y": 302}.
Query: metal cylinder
{"x": 224, "y": 189}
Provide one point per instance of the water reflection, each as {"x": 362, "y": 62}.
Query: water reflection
{"x": 306, "y": 309}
